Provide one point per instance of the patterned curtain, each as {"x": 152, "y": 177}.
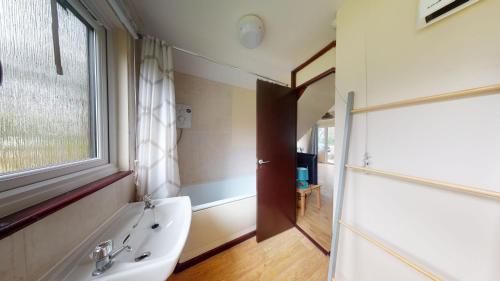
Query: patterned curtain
{"x": 157, "y": 169}
{"x": 313, "y": 145}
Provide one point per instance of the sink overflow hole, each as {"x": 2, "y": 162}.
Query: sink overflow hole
{"x": 143, "y": 256}
{"x": 155, "y": 226}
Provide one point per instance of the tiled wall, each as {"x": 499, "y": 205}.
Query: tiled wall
{"x": 221, "y": 142}
{"x": 30, "y": 253}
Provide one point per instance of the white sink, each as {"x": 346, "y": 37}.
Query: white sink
{"x": 164, "y": 243}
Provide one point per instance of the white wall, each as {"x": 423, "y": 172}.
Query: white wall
{"x": 383, "y": 58}
{"x": 316, "y": 100}
{"x": 318, "y": 66}
{"x": 304, "y": 143}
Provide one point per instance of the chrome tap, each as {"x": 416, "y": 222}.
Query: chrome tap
{"x": 103, "y": 255}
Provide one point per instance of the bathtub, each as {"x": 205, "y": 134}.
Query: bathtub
{"x": 222, "y": 211}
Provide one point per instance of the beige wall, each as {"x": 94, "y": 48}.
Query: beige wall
{"x": 222, "y": 140}
{"x": 31, "y": 252}
{"x": 125, "y": 89}
{"x": 384, "y": 58}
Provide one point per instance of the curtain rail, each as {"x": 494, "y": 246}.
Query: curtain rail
{"x": 381, "y": 246}
{"x": 229, "y": 65}
{"x": 435, "y": 183}
{"x": 488, "y": 90}
{"x": 119, "y": 11}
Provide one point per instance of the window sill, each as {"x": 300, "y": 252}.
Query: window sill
{"x": 19, "y": 220}
{"x": 20, "y": 198}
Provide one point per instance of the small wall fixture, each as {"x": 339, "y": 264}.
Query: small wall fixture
{"x": 251, "y": 30}
{"x": 328, "y": 116}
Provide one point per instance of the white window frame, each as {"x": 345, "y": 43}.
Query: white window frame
{"x": 325, "y": 124}
{"x": 23, "y": 189}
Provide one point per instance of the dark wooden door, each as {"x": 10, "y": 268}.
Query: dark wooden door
{"x": 276, "y": 148}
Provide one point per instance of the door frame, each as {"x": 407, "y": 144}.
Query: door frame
{"x": 318, "y": 77}
{"x": 300, "y": 90}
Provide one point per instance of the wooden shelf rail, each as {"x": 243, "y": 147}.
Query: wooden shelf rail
{"x": 434, "y": 183}
{"x": 384, "y": 248}
{"x": 350, "y": 111}
{"x": 488, "y": 90}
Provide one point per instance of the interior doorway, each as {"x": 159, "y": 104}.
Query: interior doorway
{"x": 315, "y": 153}
{"x": 276, "y": 156}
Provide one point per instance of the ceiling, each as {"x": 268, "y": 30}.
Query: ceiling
{"x": 294, "y": 30}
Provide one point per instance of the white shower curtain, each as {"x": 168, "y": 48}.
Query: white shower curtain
{"x": 157, "y": 169}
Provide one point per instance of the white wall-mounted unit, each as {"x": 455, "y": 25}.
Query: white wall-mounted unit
{"x": 431, "y": 11}
{"x": 251, "y": 31}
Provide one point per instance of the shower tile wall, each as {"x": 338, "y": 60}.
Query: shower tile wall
{"x": 221, "y": 143}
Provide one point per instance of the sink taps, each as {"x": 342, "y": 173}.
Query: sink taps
{"x": 103, "y": 255}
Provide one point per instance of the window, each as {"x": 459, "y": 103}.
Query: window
{"x": 326, "y": 144}
{"x": 322, "y": 142}
{"x": 331, "y": 145}
{"x": 50, "y": 125}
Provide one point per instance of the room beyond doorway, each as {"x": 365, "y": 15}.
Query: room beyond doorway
{"x": 326, "y": 140}
{"x": 315, "y": 157}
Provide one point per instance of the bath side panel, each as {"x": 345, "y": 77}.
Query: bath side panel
{"x": 219, "y": 224}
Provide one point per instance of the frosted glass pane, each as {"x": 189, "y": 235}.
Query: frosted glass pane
{"x": 44, "y": 117}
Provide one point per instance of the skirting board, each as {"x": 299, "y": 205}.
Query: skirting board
{"x": 191, "y": 262}
{"x": 181, "y": 266}
{"x": 323, "y": 250}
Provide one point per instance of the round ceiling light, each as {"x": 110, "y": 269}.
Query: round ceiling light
{"x": 251, "y": 31}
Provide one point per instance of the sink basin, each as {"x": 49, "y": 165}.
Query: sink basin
{"x": 163, "y": 243}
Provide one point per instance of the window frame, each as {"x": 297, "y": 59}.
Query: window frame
{"x": 325, "y": 124}
{"x": 19, "y": 190}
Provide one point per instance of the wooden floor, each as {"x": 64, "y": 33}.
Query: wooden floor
{"x": 318, "y": 222}
{"x": 287, "y": 256}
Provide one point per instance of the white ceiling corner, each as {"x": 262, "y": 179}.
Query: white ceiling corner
{"x": 294, "y": 31}
{"x": 103, "y": 13}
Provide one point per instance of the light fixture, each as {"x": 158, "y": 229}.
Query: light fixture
{"x": 251, "y": 31}
{"x": 328, "y": 116}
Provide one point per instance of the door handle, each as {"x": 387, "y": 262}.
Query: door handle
{"x": 261, "y": 162}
